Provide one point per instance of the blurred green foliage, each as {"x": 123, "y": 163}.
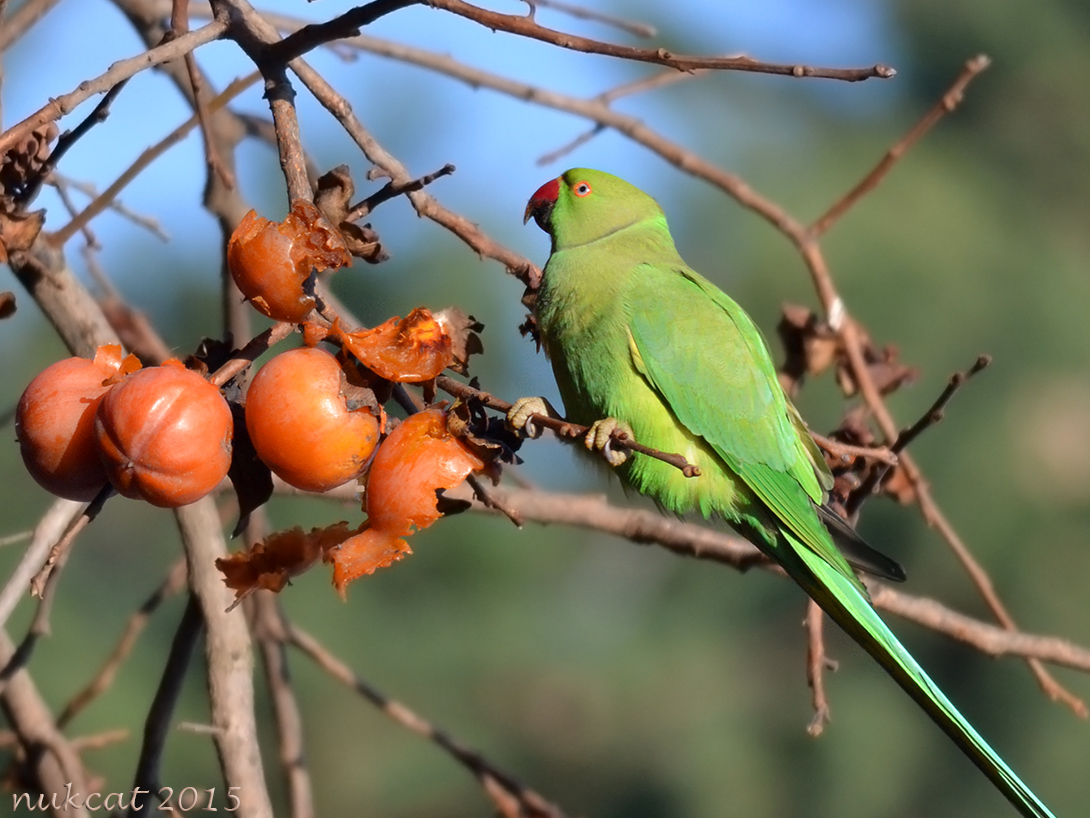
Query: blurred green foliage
{"x": 616, "y": 679}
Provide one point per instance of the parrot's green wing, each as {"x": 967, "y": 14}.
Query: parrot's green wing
{"x": 752, "y": 426}
{"x": 750, "y": 423}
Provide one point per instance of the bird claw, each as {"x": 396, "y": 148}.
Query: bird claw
{"x": 520, "y": 416}
{"x": 602, "y": 437}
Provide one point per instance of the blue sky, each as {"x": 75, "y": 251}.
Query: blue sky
{"x": 492, "y": 139}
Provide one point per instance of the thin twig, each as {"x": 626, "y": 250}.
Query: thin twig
{"x": 54, "y": 764}
{"x": 15, "y": 539}
{"x": 256, "y": 347}
{"x": 655, "y": 81}
{"x": 485, "y": 494}
{"x": 51, "y": 527}
{"x": 179, "y": 25}
{"x": 146, "y": 158}
{"x": 633, "y": 27}
{"x": 564, "y": 429}
{"x": 67, "y": 140}
{"x": 391, "y": 190}
{"x": 61, "y": 548}
{"x": 950, "y": 100}
{"x": 526, "y": 27}
{"x": 270, "y": 634}
{"x": 846, "y": 451}
{"x": 161, "y": 712}
{"x": 120, "y": 70}
{"x": 816, "y": 664}
{"x": 928, "y": 419}
{"x": 22, "y": 19}
{"x": 102, "y": 680}
{"x": 499, "y": 785}
{"x": 647, "y": 527}
{"x": 148, "y": 223}
{"x": 938, "y": 408}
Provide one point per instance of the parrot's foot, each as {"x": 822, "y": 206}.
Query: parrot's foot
{"x": 602, "y": 438}
{"x": 520, "y": 416}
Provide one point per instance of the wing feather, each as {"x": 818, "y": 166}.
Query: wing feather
{"x": 740, "y": 408}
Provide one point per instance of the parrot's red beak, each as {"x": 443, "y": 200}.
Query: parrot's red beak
{"x": 541, "y": 204}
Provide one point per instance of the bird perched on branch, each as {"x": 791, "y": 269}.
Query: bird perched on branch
{"x": 643, "y": 345}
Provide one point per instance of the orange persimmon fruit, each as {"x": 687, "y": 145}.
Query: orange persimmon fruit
{"x": 418, "y": 458}
{"x": 272, "y": 261}
{"x": 55, "y": 418}
{"x": 301, "y": 424}
{"x": 164, "y": 435}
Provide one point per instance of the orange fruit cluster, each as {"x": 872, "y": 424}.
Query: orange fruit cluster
{"x": 161, "y": 434}
{"x": 166, "y": 434}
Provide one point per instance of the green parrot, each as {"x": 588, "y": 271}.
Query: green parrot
{"x": 640, "y": 342}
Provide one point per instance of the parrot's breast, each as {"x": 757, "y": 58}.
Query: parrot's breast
{"x": 584, "y": 320}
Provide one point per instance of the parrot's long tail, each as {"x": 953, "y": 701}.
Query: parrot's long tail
{"x": 836, "y": 594}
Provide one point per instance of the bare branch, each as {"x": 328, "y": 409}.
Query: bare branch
{"x": 174, "y": 582}
{"x": 157, "y": 723}
{"x": 271, "y": 636}
{"x": 950, "y": 100}
{"x": 60, "y": 516}
{"x": 229, "y": 659}
{"x": 631, "y": 26}
{"x": 497, "y": 784}
{"x": 107, "y": 197}
{"x": 526, "y": 27}
{"x": 120, "y": 70}
{"x": 816, "y": 663}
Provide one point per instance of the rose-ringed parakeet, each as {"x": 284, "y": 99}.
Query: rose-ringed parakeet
{"x": 641, "y": 342}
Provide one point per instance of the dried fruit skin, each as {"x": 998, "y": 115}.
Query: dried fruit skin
{"x": 54, "y": 422}
{"x": 406, "y": 350}
{"x": 271, "y": 261}
{"x": 300, "y": 424}
{"x": 271, "y": 563}
{"x": 164, "y": 435}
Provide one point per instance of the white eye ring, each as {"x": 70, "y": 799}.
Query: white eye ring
{"x": 581, "y": 189}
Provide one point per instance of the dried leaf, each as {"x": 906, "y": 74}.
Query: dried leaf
{"x": 811, "y": 346}
{"x": 334, "y": 199}
{"x": 7, "y": 304}
{"x": 24, "y": 161}
{"x": 463, "y": 331}
{"x": 884, "y": 366}
{"x": 489, "y": 437}
{"x": 18, "y": 232}
{"x": 251, "y": 478}
{"x": 899, "y": 487}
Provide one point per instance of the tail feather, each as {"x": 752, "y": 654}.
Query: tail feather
{"x": 851, "y": 611}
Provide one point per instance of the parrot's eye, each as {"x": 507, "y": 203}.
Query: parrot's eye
{"x": 581, "y": 189}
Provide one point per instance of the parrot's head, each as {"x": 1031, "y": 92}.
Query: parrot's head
{"x": 582, "y": 205}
